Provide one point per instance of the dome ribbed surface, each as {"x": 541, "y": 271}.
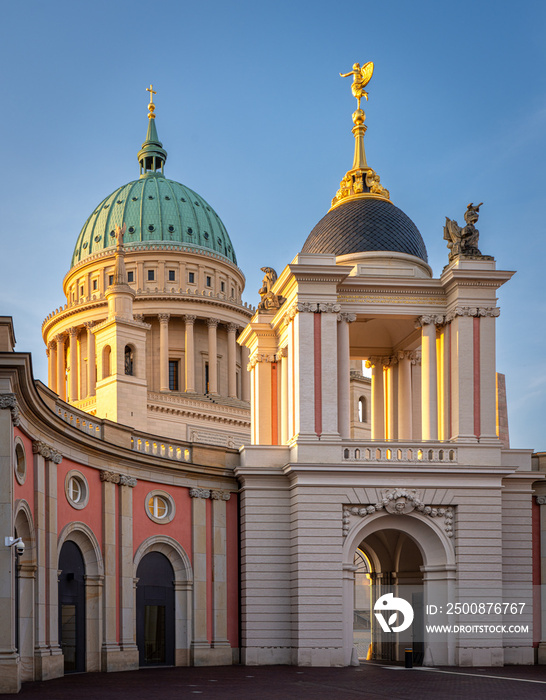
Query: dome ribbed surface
{"x": 362, "y": 225}
{"x": 156, "y": 211}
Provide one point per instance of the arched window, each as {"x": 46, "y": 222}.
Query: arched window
{"x": 362, "y": 410}
{"x": 106, "y": 361}
{"x": 129, "y": 360}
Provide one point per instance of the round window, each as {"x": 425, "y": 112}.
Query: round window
{"x": 20, "y": 462}
{"x": 159, "y": 507}
{"x": 76, "y": 490}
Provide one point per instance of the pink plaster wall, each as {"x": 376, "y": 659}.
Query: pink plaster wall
{"x": 180, "y": 526}
{"x": 91, "y": 515}
{"x": 25, "y": 491}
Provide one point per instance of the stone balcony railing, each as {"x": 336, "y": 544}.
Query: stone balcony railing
{"x": 388, "y": 453}
{"x": 161, "y": 448}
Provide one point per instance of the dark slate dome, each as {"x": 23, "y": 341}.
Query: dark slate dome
{"x": 362, "y": 225}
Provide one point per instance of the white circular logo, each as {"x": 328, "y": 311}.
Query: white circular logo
{"x": 398, "y": 605}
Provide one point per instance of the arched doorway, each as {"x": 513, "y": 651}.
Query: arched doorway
{"x": 393, "y": 564}
{"x": 72, "y": 607}
{"x": 155, "y": 610}
{"x": 407, "y": 556}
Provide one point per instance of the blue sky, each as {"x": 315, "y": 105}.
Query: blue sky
{"x": 255, "y": 118}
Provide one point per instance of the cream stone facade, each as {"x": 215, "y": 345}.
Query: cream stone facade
{"x": 204, "y": 482}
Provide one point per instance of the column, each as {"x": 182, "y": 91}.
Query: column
{"x": 219, "y": 577}
{"x": 462, "y": 374}
{"x": 541, "y": 501}
{"x": 378, "y": 398}
{"x": 199, "y": 645}
{"x": 61, "y": 367}
{"x": 245, "y": 375}
{"x": 344, "y": 375}
{"x": 126, "y": 598}
{"x": 10, "y": 681}
{"x": 163, "y": 352}
{"x": 189, "y": 354}
{"x": 405, "y": 429}
{"x": 429, "y": 379}
{"x": 212, "y": 324}
{"x": 41, "y": 651}
{"x": 52, "y": 563}
{"x": 232, "y": 362}
{"x": 283, "y": 356}
{"x": 109, "y": 636}
{"x": 52, "y": 365}
{"x": 301, "y": 349}
{"x": 73, "y": 361}
{"x": 388, "y": 375}
{"x": 487, "y": 369}
{"x": 91, "y": 359}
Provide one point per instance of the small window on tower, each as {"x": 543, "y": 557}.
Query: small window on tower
{"x": 222, "y": 286}
{"x": 81, "y": 291}
{"x": 151, "y": 275}
{"x": 110, "y": 279}
{"x": 95, "y": 285}
{"x": 173, "y": 375}
{"x": 172, "y": 276}
{"x": 191, "y": 277}
{"x": 130, "y": 276}
{"x": 209, "y": 281}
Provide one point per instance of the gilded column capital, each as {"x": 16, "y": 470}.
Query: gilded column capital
{"x": 199, "y": 493}
{"x": 46, "y": 451}
{"x": 212, "y": 322}
{"x": 260, "y": 357}
{"x": 189, "y": 319}
{"x": 60, "y": 338}
{"x": 139, "y": 317}
{"x": 217, "y": 495}
{"x": 89, "y": 324}
{"x": 414, "y": 356}
{"x": 232, "y": 327}
{"x": 51, "y": 345}
{"x": 163, "y": 318}
{"x": 72, "y": 331}
{"x": 283, "y": 352}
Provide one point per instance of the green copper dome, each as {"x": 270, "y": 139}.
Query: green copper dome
{"x": 157, "y": 211}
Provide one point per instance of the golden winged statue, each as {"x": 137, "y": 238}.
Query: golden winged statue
{"x": 362, "y": 77}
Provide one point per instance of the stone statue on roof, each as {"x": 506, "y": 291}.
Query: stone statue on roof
{"x": 463, "y": 240}
{"x": 270, "y": 301}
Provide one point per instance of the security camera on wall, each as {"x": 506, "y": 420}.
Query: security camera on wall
{"x": 17, "y": 543}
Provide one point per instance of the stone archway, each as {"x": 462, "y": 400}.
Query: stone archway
{"x": 25, "y": 589}
{"x": 183, "y": 590}
{"x": 81, "y": 534}
{"x": 408, "y": 554}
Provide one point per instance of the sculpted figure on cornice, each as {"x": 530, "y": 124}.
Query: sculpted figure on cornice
{"x": 463, "y": 240}
{"x": 269, "y": 300}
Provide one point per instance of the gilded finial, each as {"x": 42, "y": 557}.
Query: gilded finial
{"x": 151, "y": 106}
{"x": 361, "y": 180}
{"x": 361, "y": 77}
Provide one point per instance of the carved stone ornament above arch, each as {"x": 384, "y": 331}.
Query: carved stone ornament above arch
{"x": 399, "y": 501}
{"x": 171, "y": 549}
{"x": 82, "y": 535}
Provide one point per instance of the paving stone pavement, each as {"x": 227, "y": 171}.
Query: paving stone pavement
{"x": 297, "y": 683}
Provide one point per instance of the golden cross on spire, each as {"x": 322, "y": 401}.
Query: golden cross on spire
{"x": 151, "y": 106}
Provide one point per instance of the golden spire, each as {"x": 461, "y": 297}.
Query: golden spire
{"x": 360, "y": 180}
{"x": 151, "y": 106}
